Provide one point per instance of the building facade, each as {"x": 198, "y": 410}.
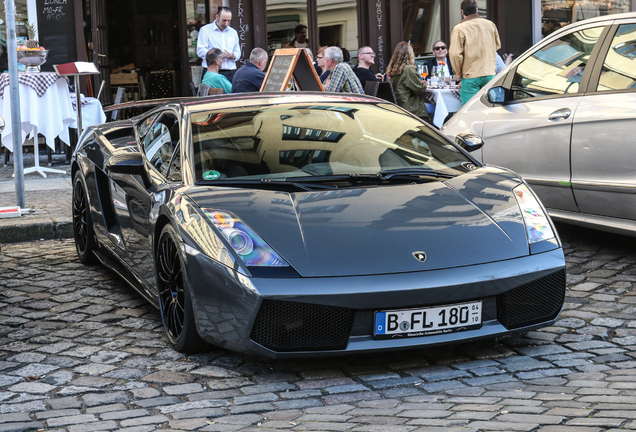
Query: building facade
{"x": 156, "y": 39}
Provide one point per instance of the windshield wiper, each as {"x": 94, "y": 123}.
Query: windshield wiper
{"x": 414, "y": 172}
{"x": 331, "y": 177}
{"x": 266, "y": 182}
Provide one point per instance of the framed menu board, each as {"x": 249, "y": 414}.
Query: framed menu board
{"x": 291, "y": 64}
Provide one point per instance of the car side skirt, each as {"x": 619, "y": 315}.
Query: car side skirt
{"x": 601, "y": 223}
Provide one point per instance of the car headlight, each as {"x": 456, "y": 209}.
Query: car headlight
{"x": 538, "y": 226}
{"x": 248, "y": 245}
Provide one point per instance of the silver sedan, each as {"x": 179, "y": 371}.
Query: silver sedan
{"x": 562, "y": 116}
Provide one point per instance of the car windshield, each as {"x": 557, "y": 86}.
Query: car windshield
{"x": 312, "y": 142}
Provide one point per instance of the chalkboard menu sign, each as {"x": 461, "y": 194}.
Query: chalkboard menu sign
{"x": 56, "y": 31}
{"x": 288, "y": 63}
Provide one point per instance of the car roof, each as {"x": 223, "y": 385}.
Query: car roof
{"x": 260, "y": 98}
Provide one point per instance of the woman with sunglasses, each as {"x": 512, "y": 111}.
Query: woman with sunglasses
{"x": 440, "y": 50}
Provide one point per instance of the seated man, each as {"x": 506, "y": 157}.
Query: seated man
{"x": 212, "y": 77}
{"x": 341, "y": 77}
{"x": 250, "y": 77}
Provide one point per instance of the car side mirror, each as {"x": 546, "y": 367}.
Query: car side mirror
{"x": 469, "y": 141}
{"x": 497, "y": 95}
{"x": 129, "y": 163}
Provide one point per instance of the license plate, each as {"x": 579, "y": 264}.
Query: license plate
{"x": 427, "y": 321}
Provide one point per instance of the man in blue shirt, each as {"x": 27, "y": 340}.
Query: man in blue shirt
{"x": 212, "y": 77}
{"x": 250, "y": 77}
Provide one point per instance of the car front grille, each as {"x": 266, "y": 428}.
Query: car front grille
{"x": 287, "y": 326}
{"x": 537, "y": 301}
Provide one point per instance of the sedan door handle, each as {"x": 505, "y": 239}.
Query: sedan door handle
{"x": 561, "y": 114}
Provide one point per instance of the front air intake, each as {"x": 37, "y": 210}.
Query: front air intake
{"x": 537, "y": 301}
{"x": 288, "y": 326}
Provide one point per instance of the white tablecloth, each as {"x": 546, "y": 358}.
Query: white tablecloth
{"x": 92, "y": 113}
{"x": 445, "y": 101}
{"x": 51, "y": 114}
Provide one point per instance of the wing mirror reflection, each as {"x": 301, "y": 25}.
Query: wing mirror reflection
{"x": 497, "y": 95}
{"x": 469, "y": 141}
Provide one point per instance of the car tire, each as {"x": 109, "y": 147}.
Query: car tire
{"x": 175, "y": 303}
{"x": 83, "y": 231}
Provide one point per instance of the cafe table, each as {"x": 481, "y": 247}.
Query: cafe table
{"x": 92, "y": 112}
{"x": 440, "y": 102}
{"x": 45, "y": 108}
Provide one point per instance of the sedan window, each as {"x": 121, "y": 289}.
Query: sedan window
{"x": 619, "y": 67}
{"x": 556, "y": 68}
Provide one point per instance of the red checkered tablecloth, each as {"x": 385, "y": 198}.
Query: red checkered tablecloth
{"x": 39, "y": 82}
{"x": 83, "y": 100}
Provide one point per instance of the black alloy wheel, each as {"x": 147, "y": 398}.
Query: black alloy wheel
{"x": 82, "y": 225}
{"x": 174, "y": 296}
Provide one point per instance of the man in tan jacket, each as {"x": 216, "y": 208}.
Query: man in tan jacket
{"x": 474, "y": 42}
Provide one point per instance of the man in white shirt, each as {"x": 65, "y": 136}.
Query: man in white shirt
{"x": 219, "y": 34}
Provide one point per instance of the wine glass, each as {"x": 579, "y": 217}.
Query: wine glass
{"x": 424, "y": 71}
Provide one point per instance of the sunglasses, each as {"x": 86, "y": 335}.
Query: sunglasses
{"x": 438, "y": 48}
{"x": 370, "y": 53}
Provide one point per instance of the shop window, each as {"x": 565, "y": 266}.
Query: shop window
{"x": 338, "y": 25}
{"x": 21, "y": 20}
{"x": 558, "y": 13}
{"x": 556, "y": 68}
{"x": 331, "y": 35}
{"x": 619, "y": 68}
{"x": 421, "y": 22}
{"x": 455, "y": 10}
{"x": 282, "y": 18}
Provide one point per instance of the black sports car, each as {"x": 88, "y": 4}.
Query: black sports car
{"x": 291, "y": 224}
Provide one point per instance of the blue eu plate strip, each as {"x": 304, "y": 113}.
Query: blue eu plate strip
{"x": 380, "y": 319}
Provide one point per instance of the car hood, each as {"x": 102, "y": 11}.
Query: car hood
{"x": 468, "y": 220}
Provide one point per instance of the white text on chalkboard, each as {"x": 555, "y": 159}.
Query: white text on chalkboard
{"x": 55, "y": 13}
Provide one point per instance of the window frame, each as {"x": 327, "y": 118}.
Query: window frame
{"x": 602, "y": 55}
{"x": 157, "y": 117}
{"x": 588, "y": 75}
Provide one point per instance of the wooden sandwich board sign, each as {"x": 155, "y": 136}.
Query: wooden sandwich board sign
{"x": 291, "y": 65}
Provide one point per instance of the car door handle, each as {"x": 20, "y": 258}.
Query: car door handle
{"x": 561, "y": 114}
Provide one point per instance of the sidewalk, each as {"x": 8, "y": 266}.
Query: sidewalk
{"x": 50, "y": 198}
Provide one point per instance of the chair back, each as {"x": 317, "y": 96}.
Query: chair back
{"x": 203, "y": 90}
{"x": 371, "y": 88}
{"x": 193, "y": 89}
{"x": 385, "y": 91}
{"x": 380, "y": 89}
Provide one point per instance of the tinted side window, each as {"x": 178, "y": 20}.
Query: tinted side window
{"x": 160, "y": 142}
{"x": 174, "y": 172}
{"x": 619, "y": 68}
{"x": 557, "y": 68}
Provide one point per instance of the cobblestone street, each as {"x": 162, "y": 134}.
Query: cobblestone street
{"x": 80, "y": 351}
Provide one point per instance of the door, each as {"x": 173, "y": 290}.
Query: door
{"x": 531, "y": 133}
{"x": 603, "y": 145}
{"x": 160, "y": 143}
